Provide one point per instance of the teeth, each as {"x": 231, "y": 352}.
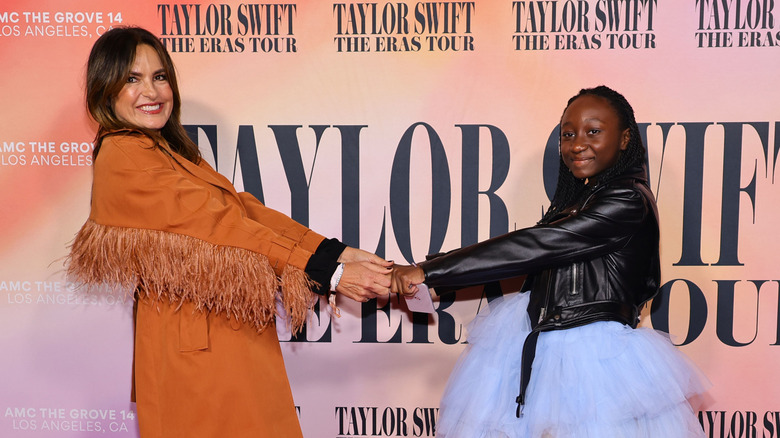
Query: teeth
{"x": 150, "y": 107}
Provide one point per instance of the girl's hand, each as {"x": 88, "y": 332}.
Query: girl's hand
{"x": 406, "y": 278}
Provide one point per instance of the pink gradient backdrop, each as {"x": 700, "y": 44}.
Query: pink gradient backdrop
{"x": 62, "y": 355}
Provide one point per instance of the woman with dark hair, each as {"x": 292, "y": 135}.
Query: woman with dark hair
{"x": 569, "y": 342}
{"x": 109, "y": 63}
{"x": 209, "y": 266}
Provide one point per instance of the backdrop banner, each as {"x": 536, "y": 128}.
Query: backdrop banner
{"x": 403, "y": 128}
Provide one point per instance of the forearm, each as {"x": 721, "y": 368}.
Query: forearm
{"x": 520, "y": 252}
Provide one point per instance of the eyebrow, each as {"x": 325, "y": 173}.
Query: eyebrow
{"x": 136, "y": 73}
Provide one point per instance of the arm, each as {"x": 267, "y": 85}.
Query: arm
{"x": 280, "y": 223}
{"x": 182, "y": 233}
{"x": 365, "y": 274}
{"x": 139, "y": 187}
{"x": 605, "y": 224}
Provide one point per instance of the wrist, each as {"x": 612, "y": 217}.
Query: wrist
{"x": 421, "y": 271}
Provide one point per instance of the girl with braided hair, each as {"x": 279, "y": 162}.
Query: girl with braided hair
{"x": 569, "y": 341}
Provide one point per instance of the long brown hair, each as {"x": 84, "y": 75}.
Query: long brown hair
{"x": 108, "y": 69}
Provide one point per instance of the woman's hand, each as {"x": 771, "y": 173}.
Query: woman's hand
{"x": 365, "y": 276}
{"x": 362, "y": 281}
{"x": 406, "y": 278}
{"x": 351, "y": 254}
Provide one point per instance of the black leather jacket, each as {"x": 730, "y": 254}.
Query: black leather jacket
{"x": 594, "y": 262}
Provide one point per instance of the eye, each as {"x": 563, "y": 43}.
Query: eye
{"x": 132, "y": 79}
{"x": 594, "y": 131}
{"x": 567, "y": 134}
{"x": 161, "y": 77}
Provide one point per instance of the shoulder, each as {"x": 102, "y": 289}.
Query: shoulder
{"x": 632, "y": 184}
{"x": 126, "y": 140}
{"x": 628, "y": 189}
{"x": 625, "y": 199}
{"x": 129, "y": 148}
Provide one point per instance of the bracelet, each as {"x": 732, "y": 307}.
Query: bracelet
{"x": 334, "y": 282}
{"x": 336, "y": 278}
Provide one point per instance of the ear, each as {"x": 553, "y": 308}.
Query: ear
{"x": 624, "y": 139}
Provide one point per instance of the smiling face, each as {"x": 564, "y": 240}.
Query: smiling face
{"x": 591, "y": 136}
{"x": 146, "y": 99}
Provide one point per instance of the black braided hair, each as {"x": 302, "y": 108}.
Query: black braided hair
{"x": 571, "y": 190}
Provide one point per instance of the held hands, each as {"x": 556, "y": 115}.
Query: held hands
{"x": 368, "y": 276}
{"x": 365, "y": 276}
{"x": 406, "y": 278}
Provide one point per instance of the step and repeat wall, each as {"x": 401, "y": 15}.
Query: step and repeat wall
{"x": 404, "y": 128}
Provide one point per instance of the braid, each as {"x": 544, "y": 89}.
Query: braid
{"x": 571, "y": 190}
{"x": 567, "y": 191}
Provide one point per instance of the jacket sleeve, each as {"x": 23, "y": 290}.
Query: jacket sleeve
{"x": 136, "y": 186}
{"x": 178, "y": 232}
{"x": 603, "y": 225}
{"x": 325, "y": 252}
{"x": 281, "y": 224}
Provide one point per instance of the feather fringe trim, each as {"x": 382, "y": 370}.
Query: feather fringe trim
{"x": 176, "y": 268}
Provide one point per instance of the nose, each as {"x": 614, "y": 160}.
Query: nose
{"x": 149, "y": 90}
{"x": 578, "y": 145}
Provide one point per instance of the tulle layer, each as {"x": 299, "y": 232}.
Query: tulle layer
{"x": 599, "y": 380}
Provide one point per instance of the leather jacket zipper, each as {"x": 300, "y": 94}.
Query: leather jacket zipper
{"x": 575, "y": 276}
{"x": 546, "y": 301}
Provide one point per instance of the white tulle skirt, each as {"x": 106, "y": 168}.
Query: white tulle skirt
{"x": 600, "y": 380}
